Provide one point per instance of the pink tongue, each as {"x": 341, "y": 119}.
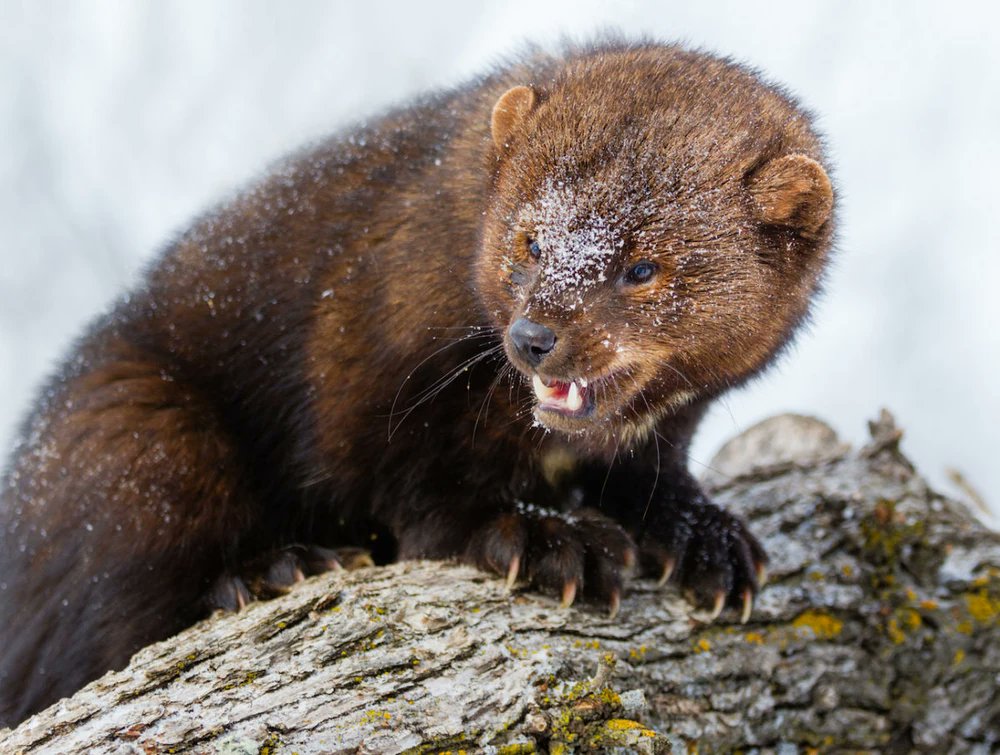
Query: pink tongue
{"x": 561, "y": 388}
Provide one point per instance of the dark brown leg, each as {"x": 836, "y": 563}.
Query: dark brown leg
{"x": 122, "y": 507}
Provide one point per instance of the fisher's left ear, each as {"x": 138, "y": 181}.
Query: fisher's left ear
{"x": 792, "y": 191}
{"x": 509, "y": 112}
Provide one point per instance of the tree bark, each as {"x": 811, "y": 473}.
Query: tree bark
{"x": 879, "y": 630}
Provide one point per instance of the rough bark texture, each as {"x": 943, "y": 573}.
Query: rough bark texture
{"x": 879, "y": 630}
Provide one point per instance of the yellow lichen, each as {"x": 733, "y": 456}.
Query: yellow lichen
{"x": 609, "y": 697}
{"x": 637, "y": 653}
{"x": 886, "y": 532}
{"x": 520, "y": 748}
{"x": 270, "y": 746}
{"x": 376, "y": 716}
{"x": 982, "y": 606}
{"x": 902, "y": 621}
{"x": 703, "y": 646}
{"x": 624, "y": 724}
{"x": 755, "y": 637}
{"x": 959, "y": 657}
{"x": 617, "y": 734}
{"x": 821, "y": 624}
{"x": 895, "y": 633}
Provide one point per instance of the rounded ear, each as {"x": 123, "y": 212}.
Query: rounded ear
{"x": 792, "y": 191}
{"x": 510, "y": 110}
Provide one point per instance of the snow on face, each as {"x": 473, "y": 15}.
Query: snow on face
{"x": 577, "y": 246}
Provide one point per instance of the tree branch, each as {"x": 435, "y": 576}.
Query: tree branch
{"x": 879, "y": 629}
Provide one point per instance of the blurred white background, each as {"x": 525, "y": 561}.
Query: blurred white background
{"x": 122, "y": 120}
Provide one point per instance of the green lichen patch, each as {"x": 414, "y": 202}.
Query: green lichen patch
{"x": 886, "y": 534}
{"x": 271, "y": 745}
{"x": 375, "y": 612}
{"x": 518, "y": 748}
{"x": 587, "y": 716}
{"x": 381, "y": 717}
{"x": 242, "y": 679}
{"x": 359, "y": 644}
{"x": 458, "y": 744}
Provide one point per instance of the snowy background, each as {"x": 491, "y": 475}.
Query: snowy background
{"x": 122, "y": 120}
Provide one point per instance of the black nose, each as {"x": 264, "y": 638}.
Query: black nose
{"x": 532, "y": 341}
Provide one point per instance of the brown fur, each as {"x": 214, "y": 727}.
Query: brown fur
{"x": 326, "y": 360}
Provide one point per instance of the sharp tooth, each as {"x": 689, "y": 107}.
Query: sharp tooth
{"x": 539, "y": 386}
{"x": 573, "y": 399}
{"x": 583, "y": 382}
{"x": 542, "y": 391}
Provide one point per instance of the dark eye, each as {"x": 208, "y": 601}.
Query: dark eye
{"x": 640, "y": 272}
{"x": 534, "y": 248}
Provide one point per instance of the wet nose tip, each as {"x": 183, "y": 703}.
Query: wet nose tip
{"x": 531, "y": 339}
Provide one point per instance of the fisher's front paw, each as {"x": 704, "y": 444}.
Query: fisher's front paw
{"x": 708, "y": 553}
{"x": 582, "y": 553}
{"x": 277, "y": 572}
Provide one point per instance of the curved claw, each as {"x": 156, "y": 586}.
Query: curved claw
{"x": 720, "y": 603}
{"x": 317, "y": 560}
{"x": 616, "y": 602}
{"x": 668, "y": 570}
{"x": 761, "y": 575}
{"x": 747, "y": 606}
{"x": 568, "y": 594}
{"x": 333, "y": 565}
{"x": 512, "y": 571}
{"x": 242, "y": 597}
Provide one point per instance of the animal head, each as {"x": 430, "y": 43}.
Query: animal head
{"x": 659, "y": 222}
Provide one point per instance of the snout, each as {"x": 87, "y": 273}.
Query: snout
{"x": 531, "y": 340}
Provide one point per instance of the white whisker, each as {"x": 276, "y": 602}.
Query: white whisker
{"x": 442, "y": 382}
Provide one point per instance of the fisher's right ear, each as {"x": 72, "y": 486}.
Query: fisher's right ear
{"x": 510, "y": 111}
{"x": 794, "y": 192}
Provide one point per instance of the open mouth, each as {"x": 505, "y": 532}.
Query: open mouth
{"x": 571, "y": 399}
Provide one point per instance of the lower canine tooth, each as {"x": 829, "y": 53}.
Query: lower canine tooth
{"x": 573, "y": 399}
{"x": 541, "y": 390}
